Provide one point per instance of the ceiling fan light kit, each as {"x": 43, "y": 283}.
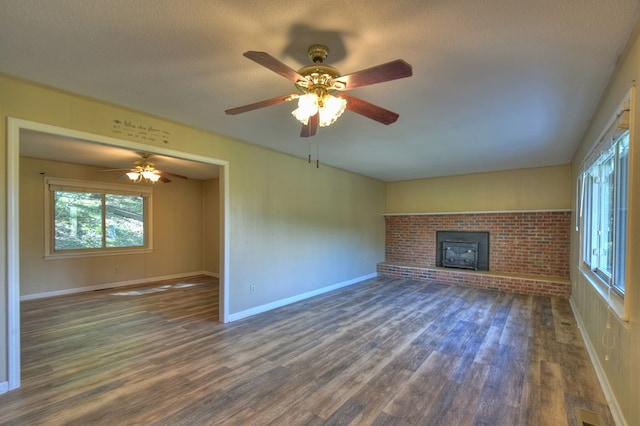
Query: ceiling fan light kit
{"x": 317, "y": 106}
{"x": 145, "y": 171}
{"x": 328, "y": 107}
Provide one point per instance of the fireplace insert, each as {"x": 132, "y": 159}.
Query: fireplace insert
{"x": 460, "y": 254}
{"x": 462, "y": 249}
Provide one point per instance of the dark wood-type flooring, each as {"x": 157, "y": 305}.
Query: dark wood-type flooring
{"x": 381, "y": 352}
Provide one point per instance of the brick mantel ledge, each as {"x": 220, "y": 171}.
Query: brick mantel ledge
{"x": 514, "y": 283}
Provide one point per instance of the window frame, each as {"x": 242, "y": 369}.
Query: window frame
{"x": 607, "y": 212}
{"x": 52, "y": 184}
{"x": 621, "y": 124}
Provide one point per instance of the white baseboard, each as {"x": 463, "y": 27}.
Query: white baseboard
{"x": 113, "y": 285}
{"x": 283, "y": 302}
{"x": 4, "y": 387}
{"x": 616, "y": 413}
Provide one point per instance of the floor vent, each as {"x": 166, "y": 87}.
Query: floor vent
{"x": 588, "y": 418}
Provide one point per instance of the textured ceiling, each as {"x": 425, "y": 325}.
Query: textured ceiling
{"x": 497, "y": 84}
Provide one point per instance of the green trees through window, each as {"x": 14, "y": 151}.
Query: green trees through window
{"x": 93, "y": 216}
{"x": 85, "y": 220}
{"x": 78, "y": 220}
{"x": 124, "y": 224}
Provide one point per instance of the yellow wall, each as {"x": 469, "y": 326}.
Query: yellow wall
{"x": 178, "y": 234}
{"x": 292, "y": 228}
{"x": 544, "y": 188}
{"x": 622, "y": 370}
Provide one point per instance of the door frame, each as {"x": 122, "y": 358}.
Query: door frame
{"x": 14, "y": 126}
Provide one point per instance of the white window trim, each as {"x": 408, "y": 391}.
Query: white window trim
{"x": 615, "y": 302}
{"x": 145, "y": 191}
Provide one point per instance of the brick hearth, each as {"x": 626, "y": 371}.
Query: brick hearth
{"x": 529, "y": 251}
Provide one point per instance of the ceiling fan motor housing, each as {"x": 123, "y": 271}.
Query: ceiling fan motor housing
{"x": 318, "y": 77}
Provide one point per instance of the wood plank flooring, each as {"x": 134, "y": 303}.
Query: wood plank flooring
{"x": 383, "y": 352}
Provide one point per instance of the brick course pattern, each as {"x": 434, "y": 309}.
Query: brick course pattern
{"x": 535, "y": 244}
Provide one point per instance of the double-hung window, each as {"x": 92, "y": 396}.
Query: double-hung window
{"x": 96, "y": 218}
{"x": 605, "y": 192}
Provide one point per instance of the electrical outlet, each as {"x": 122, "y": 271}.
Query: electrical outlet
{"x": 252, "y": 289}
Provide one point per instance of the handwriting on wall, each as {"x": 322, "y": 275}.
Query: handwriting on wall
{"x": 141, "y": 131}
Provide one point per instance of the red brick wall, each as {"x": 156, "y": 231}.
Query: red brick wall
{"x": 531, "y": 243}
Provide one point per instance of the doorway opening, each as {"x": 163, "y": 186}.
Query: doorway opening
{"x": 16, "y": 128}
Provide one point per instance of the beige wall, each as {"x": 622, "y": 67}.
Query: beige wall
{"x": 623, "y": 367}
{"x": 211, "y": 226}
{"x": 302, "y": 228}
{"x": 177, "y": 232}
{"x": 292, "y": 228}
{"x": 544, "y": 188}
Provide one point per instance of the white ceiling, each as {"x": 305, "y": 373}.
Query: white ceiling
{"x": 497, "y": 84}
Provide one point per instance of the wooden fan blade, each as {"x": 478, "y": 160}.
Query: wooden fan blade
{"x": 311, "y": 127}
{"x": 268, "y": 61}
{"x": 115, "y": 170}
{"x": 164, "y": 179}
{"x": 386, "y": 72}
{"x": 369, "y": 110}
{"x": 171, "y": 174}
{"x": 261, "y": 104}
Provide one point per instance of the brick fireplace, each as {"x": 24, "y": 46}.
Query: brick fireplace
{"x": 529, "y": 251}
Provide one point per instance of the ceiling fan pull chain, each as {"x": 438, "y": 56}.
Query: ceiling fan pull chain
{"x": 317, "y": 154}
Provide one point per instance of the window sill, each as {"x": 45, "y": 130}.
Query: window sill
{"x": 615, "y": 302}
{"x": 77, "y": 255}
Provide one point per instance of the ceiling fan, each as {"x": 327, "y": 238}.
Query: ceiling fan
{"x": 145, "y": 171}
{"x": 317, "y": 106}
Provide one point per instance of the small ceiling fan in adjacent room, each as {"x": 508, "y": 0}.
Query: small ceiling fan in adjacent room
{"x": 317, "y": 105}
{"x": 145, "y": 171}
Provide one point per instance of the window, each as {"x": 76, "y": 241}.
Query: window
{"x": 94, "y": 218}
{"x": 605, "y": 191}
